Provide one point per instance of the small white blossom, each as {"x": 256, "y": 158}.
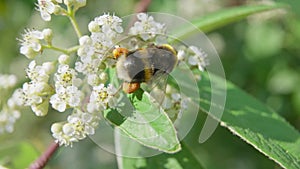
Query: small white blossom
{"x": 105, "y": 32}
{"x": 94, "y": 27}
{"x": 78, "y": 126}
{"x": 34, "y": 94}
{"x": 7, "y": 81}
{"x": 41, "y": 109}
{"x": 63, "y": 59}
{"x": 48, "y": 35}
{"x": 93, "y": 79}
{"x": 17, "y": 99}
{"x": 39, "y": 73}
{"x": 88, "y": 65}
{"x": 31, "y": 43}
{"x": 181, "y": 55}
{"x": 66, "y": 97}
{"x": 66, "y": 76}
{"x": 109, "y": 23}
{"x": 147, "y": 28}
{"x": 198, "y": 57}
{"x": 102, "y": 97}
{"x": 86, "y": 48}
{"x": 174, "y": 103}
{"x": 102, "y": 42}
{"x": 46, "y": 8}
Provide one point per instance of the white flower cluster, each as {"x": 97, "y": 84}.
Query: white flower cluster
{"x": 32, "y": 42}
{"x": 83, "y": 87}
{"x": 105, "y": 32}
{"x": 194, "y": 56}
{"x": 102, "y": 97}
{"x": 8, "y": 118}
{"x": 48, "y": 7}
{"x": 77, "y": 127}
{"x": 7, "y": 81}
{"x": 174, "y": 103}
{"x": 67, "y": 94}
{"x": 37, "y": 92}
{"x": 10, "y": 111}
{"x": 147, "y": 28}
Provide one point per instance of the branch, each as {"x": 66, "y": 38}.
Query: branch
{"x": 44, "y": 158}
{"x": 142, "y": 6}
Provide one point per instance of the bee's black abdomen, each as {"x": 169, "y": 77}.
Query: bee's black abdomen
{"x": 140, "y": 65}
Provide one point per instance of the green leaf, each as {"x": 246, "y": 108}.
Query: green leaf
{"x": 294, "y": 5}
{"x": 147, "y": 124}
{"x": 224, "y": 17}
{"x": 19, "y": 155}
{"x": 125, "y": 149}
{"x": 255, "y": 123}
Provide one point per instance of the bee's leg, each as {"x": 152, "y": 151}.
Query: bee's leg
{"x": 119, "y": 52}
{"x": 130, "y": 87}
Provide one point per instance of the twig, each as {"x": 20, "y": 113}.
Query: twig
{"x": 142, "y": 6}
{"x": 44, "y": 158}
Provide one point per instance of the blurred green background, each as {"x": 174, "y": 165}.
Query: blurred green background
{"x": 259, "y": 54}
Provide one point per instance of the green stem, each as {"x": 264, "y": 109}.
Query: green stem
{"x": 57, "y": 49}
{"x": 73, "y": 49}
{"x": 71, "y": 15}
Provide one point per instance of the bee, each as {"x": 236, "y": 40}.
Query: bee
{"x": 143, "y": 65}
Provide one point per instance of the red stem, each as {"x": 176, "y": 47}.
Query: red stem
{"x": 44, "y": 158}
{"x": 142, "y": 6}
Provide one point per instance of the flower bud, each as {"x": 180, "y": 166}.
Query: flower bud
{"x": 64, "y": 59}
{"x": 48, "y": 35}
{"x": 48, "y": 67}
{"x": 93, "y": 27}
{"x": 56, "y": 127}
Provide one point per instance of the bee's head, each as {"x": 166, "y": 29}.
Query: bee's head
{"x": 118, "y": 51}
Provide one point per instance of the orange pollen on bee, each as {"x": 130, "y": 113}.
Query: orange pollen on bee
{"x": 119, "y": 51}
{"x": 130, "y": 87}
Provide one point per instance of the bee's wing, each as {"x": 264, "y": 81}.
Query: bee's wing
{"x": 156, "y": 87}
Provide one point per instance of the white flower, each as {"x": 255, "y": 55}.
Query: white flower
{"x": 31, "y": 43}
{"x": 48, "y": 35}
{"x": 7, "y": 81}
{"x": 146, "y": 27}
{"x": 39, "y": 73}
{"x": 32, "y": 93}
{"x": 102, "y": 42}
{"x": 8, "y": 118}
{"x": 64, "y": 59}
{"x": 60, "y": 136}
{"x": 109, "y": 23}
{"x": 78, "y": 126}
{"x": 41, "y": 109}
{"x": 181, "y": 55}
{"x": 86, "y": 48}
{"x": 46, "y": 8}
{"x": 66, "y": 97}
{"x": 66, "y": 76}
{"x": 17, "y": 99}
{"x": 198, "y": 57}
{"x": 88, "y": 65}
{"x": 93, "y": 79}
{"x": 102, "y": 97}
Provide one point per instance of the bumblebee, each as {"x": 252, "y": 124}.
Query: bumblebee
{"x": 143, "y": 65}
